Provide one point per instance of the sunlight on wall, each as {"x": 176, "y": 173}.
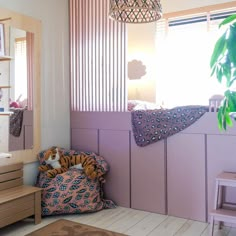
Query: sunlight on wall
{"x": 143, "y": 88}
{"x": 141, "y": 48}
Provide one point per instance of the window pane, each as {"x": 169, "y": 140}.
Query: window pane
{"x": 183, "y": 58}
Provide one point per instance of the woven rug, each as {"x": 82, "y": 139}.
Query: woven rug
{"x": 70, "y": 228}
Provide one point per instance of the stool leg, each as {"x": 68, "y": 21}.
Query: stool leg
{"x": 220, "y": 201}
{"x": 211, "y": 226}
{"x": 216, "y": 195}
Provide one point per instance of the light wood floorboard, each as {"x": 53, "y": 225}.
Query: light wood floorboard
{"x": 168, "y": 227}
{"x": 128, "y": 221}
{"x": 223, "y": 232}
{"x": 193, "y": 228}
{"x": 146, "y": 225}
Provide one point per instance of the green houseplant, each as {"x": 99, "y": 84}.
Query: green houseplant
{"x": 223, "y": 66}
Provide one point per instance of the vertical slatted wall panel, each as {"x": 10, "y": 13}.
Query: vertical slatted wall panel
{"x": 98, "y": 58}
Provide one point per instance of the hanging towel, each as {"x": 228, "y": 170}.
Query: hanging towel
{"x": 16, "y": 120}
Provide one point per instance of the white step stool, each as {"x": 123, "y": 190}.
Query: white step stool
{"x": 225, "y": 179}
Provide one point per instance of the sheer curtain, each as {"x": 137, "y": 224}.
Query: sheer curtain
{"x": 184, "y": 48}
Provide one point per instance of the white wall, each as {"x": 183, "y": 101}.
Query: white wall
{"x": 55, "y": 66}
{"x": 141, "y": 46}
{"x": 55, "y": 117}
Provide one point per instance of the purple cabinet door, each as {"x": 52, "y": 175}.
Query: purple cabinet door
{"x": 114, "y": 147}
{"x": 148, "y": 177}
{"x": 186, "y": 184}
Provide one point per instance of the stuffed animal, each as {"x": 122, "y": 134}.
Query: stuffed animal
{"x": 57, "y": 163}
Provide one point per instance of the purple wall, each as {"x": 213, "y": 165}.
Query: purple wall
{"x": 175, "y": 176}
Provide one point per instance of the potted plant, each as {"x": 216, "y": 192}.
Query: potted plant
{"x": 223, "y": 66}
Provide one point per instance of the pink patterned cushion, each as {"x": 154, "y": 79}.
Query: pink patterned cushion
{"x": 72, "y": 191}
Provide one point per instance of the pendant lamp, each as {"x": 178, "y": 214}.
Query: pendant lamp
{"x": 135, "y": 11}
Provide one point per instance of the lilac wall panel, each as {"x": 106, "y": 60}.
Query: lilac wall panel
{"x": 220, "y": 157}
{"x": 16, "y": 143}
{"x": 84, "y": 139}
{"x": 186, "y": 176}
{"x": 208, "y": 124}
{"x": 28, "y": 117}
{"x": 114, "y": 147}
{"x": 101, "y": 120}
{"x": 29, "y": 137}
{"x": 131, "y": 178}
{"x": 148, "y": 177}
{"x": 25, "y": 140}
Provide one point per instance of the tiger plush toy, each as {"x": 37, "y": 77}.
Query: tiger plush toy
{"x": 57, "y": 163}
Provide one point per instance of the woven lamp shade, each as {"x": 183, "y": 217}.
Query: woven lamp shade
{"x": 135, "y": 11}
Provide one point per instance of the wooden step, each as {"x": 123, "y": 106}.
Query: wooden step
{"x": 227, "y": 179}
{"x": 224, "y": 215}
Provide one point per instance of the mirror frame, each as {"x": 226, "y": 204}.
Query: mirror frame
{"x": 29, "y": 24}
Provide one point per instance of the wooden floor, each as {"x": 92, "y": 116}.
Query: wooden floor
{"x": 127, "y": 221}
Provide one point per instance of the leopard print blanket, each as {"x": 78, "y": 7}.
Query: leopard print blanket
{"x": 150, "y": 126}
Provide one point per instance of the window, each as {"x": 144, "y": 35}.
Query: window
{"x": 20, "y": 69}
{"x": 184, "y": 47}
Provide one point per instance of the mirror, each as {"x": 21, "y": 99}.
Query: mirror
{"x": 20, "y": 95}
{"x": 25, "y": 23}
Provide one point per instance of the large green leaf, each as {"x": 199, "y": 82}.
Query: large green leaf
{"x": 228, "y": 120}
{"x": 231, "y": 45}
{"x": 228, "y": 20}
{"x": 226, "y": 70}
{"x": 219, "y": 117}
{"x": 223, "y": 65}
{"x": 232, "y": 81}
{"x": 218, "y": 72}
{"x": 219, "y": 50}
{"x": 228, "y": 106}
{"x": 213, "y": 70}
{"x": 231, "y": 97}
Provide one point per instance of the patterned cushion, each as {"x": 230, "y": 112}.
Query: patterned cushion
{"x": 72, "y": 191}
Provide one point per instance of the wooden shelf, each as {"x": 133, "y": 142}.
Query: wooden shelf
{"x": 5, "y": 19}
{"x": 6, "y": 113}
{"x": 5, "y": 58}
{"x": 5, "y": 155}
{"x": 4, "y": 86}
